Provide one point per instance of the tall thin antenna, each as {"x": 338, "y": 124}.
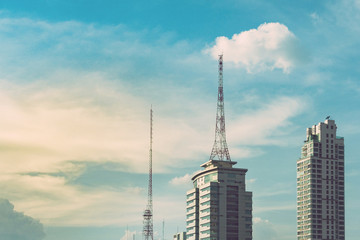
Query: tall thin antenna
{"x": 148, "y": 213}
{"x": 220, "y": 149}
{"x": 163, "y": 230}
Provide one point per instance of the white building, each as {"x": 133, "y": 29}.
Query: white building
{"x": 320, "y": 184}
{"x": 219, "y": 207}
{"x": 180, "y": 236}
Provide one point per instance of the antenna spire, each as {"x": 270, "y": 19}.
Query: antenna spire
{"x": 148, "y": 213}
{"x": 220, "y": 149}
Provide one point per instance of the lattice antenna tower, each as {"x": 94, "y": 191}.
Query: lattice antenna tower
{"x": 148, "y": 213}
{"x": 220, "y": 149}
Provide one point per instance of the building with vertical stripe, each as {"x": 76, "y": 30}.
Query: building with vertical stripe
{"x": 320, "y": 184}
{"x": 219, "y": 207}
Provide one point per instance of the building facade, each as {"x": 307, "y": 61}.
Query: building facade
{"x": 219, "y": 207}
{"x": 320, "y": 184}
{"x": 180, "y": 236}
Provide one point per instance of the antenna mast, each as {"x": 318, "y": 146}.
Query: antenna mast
{"x": 148, "y": 213}
{"x": 220, "y": 149}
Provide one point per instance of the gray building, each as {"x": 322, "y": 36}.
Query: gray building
{"x": 320, "y": 184}
{"x": 219, "y": 207}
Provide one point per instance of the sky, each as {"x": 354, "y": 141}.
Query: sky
{"x": 78, "y": 78}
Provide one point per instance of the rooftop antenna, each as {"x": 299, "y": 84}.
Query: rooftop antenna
{"x": 220, "y": 149}
{"x": 148, "y": 213}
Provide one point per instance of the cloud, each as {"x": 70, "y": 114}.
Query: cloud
{"x": 264, "y": 229}
{"x": 51, "y": 133}
{"x": 16, "y": 225}
{"x": 129, "y": 235}
{"x": 243, "y": 152}
{"x": 267, "y": 124}
{"x": 44, "y": 49}
{"x": 63, "y": 111}
{"x": 270, "y": 46}
{"x": 57, "y": 203}
{"x": 49, "y": 126}
{"x": 315, "y": 18}
{"x": 53, "y": 127}
{"x": 251, "y": 180}
{"x": 289, "y": 207}
{"x": 181, "y": 181}
{"x": 347, "y": 14}
{"x": 317, "y": 78}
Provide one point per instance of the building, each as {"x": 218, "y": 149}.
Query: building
{"x": 180, "y": 236}
{"x": 320, "y": 184}
{"x": 219, "y": 207}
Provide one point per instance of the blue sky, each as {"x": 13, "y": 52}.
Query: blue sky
{"x": 77, "y": 79}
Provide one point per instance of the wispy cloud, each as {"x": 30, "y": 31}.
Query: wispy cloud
{"x": 46, "y": 126}
{"x": 250, "y": 181}
{"x": 180, "y": 181}
{"x": 286, "y": 207}
{"x": 55, "y": 132}
{"x": 92, "y": 108}
{"x": 129, "y": 235}
{"x": 57, "y": 203}
{"x": 268, "y": 47}
{"x": 266, "y": 124}
{"x": 264, "y": 229}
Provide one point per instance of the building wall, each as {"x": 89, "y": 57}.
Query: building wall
{"x": 180, "y": 236}
{"x": 320, "y": 184}
{"x": 219, "y": 207}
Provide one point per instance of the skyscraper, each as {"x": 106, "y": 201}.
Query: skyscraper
{"x": 320, "y": 184}
{"x": 219, "y": 207}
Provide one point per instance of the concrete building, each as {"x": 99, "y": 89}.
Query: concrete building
{"x": 320, "y": 184}
{"x": 219, "y": 207}
{"x": 180, "y": 236}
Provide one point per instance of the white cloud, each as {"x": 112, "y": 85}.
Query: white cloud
{"x": 57, "y": 203}
{"x": 181, "y": 181}
{"x": 264, "y": 229}
{"x": 257, "y": 220}
{"x": 266, "y": 125}
{"x": 315, "y": 17}
{"x": 289, "y": 207}
{"x": 43, "y": 127}
{"x": 317, "y": 78}
{"x": 268, "y": 47}
{"x": 243, "y": 152}
{"x": 49, "y": 130}
{"x": 74, "y": 113}
{"x": 251, "y": 180}
{"x": 49, "y": 134}
{"x": 16, "y": 225}
{"x": 129, "y": 235}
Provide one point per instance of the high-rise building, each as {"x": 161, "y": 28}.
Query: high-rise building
{"x": 219, "y": 207}
{"x": 320, "y": 184}
{"x": 180, "y": 236}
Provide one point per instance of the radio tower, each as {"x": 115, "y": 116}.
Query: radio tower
{"x": 148, "y": 213}
{"x": 220, "y": 149}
